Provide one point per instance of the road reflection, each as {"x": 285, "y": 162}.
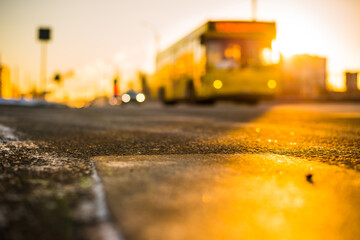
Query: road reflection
{"x": 238, "y": 196}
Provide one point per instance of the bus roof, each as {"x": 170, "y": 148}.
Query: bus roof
{"x": 228, "y": 29}
{"x": 242, "y": 27}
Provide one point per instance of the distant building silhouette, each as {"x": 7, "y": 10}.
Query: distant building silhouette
{"x": 351, "y": 79}
{"x": 304, "y": 76}
{"x": 6, "y": 88}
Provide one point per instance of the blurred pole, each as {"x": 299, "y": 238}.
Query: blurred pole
{"x": 156, "y": 36}
{"x": 116, "y": 86}
{"x": 254, "y": 9}
{"x": 44, "y": 35}
{"x": 43, "y": 67}
{"x": 157, "y": 40}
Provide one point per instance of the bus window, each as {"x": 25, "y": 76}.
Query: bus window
{"x": 224, "y": 54}
{"x": 233, "y": 53}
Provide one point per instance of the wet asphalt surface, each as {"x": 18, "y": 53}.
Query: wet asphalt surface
{"x": 45, "y": 175}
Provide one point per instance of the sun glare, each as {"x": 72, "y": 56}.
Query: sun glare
{"x": 293, "y": 40}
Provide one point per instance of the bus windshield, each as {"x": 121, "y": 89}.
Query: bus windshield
{"x": 233, "y": 53}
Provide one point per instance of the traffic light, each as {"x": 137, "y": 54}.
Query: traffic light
{"x": 44, "y": 34}
{"x": 57, "y": 77}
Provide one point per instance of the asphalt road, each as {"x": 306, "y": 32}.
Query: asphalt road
{"x": 271, "y": 171}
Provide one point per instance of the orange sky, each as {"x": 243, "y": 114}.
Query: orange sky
{"x": 92, "y": 37}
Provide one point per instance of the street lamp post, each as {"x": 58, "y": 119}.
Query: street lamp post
{"x": 156, "y": 35}
{"x": 44, "y": 37}
{"x": 254, "y": 9}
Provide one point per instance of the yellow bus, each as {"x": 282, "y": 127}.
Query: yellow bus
{"x": 220, "y": 60}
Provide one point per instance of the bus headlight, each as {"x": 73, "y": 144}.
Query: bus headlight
{"x": 272, "y": 84}
{"x": 126, "y": 98}
{"x": 140, "y": 97}
{"x": 217, "y": 84}
{"x": 270, "y": 56}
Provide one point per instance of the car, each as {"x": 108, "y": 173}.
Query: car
{"x": 132, "y": 97}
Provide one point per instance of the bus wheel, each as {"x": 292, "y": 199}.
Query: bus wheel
{"x": 169, "y": 103}
{"x": 253, "y": 102}
{"x": 208, "y": 102}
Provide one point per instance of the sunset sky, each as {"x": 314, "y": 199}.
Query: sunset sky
{"x": 93, "y": 37}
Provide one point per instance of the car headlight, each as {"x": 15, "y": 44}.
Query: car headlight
{"x": 126, "y": 98}
{"x": 140, "y": 97}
